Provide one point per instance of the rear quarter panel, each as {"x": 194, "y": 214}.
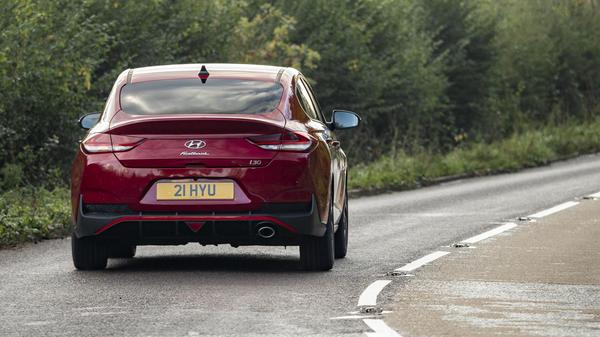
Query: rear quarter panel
{"x": 320, "y": 159}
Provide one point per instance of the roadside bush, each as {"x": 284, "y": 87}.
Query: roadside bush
{"x": 427, "y": 76}
{"x": 528, "y": 149}
{"x": 32, "y": 214}
{"x": 444, "y": 87}
{"x": 11, "y": 176}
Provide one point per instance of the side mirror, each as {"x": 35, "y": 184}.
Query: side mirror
{"x": 344, "y": 119}
{"x": 88, "y": 121}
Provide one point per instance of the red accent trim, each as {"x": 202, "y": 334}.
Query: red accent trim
{"x": 195, "y": 226}
{"x": 197, "y": 218}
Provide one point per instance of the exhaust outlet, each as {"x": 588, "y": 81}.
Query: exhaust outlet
{"x": 266, "y": 230}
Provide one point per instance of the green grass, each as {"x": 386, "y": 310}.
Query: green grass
{"x": 30, "y": 214}
{"x": 533, "y": 148}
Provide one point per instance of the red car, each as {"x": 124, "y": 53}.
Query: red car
{"x": 215, "y": 153}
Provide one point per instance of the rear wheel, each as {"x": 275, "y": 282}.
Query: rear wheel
{"x": 341, "y": 235}
{"x": 317, "y": 253}
{"x": 88, "y": 253}
{"x": 125, "y": 251}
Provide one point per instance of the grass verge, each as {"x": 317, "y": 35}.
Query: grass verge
{"x": 528, "y": 149}
{"x": 30, "y": 214}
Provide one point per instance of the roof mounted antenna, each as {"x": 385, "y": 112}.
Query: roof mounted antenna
{"x": 203, "y": 74}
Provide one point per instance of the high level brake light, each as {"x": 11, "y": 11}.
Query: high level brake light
{"x": 287, "y": 141}
{"x": 102, "y": 142}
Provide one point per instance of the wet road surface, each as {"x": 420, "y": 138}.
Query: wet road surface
{"x": 541, "y": 278}
{"x": 260, "y": 291}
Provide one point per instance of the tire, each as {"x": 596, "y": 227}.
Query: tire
{"x": 88, "y": 253}
{"x": 124, "y": 251}
{"x": 341, "y": 235}
{"x": 317, "y": 253}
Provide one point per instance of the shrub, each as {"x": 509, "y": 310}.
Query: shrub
{"x": 531, "y": 148}
{"x": 33, "y": 213}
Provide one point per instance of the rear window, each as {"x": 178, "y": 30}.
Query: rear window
{"x": 191, "y": 96}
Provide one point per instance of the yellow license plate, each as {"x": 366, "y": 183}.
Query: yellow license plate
{"x": 195, "y": 191}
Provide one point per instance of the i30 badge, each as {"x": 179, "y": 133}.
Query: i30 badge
{"x": 195, "y": 144}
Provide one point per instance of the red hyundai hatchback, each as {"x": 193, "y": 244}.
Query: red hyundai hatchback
{"x": 215, "y": 153}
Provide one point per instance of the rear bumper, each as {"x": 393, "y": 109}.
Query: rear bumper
{"x": 174, "y": 228}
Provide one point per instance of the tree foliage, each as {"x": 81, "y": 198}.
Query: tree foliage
{"x": 423, "y": 74}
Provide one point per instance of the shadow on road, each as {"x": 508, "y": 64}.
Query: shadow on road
{"x": 229, "y": 263}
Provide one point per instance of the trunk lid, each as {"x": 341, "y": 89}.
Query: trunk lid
{"x": 197, "y": 141}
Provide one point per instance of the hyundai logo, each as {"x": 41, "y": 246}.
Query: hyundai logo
{"x": 195, "y": 144}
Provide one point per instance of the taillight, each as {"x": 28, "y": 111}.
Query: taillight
{"x": 287, "y": 141}
{"x": 102, "y": 142}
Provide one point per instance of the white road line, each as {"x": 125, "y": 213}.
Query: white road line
{"x": 595, "y": 195}
{"x": 359, "y": 312}
{"x": 490, "y": 233}
{"x": 369, "y": 295}
{"x": 381, "y": 329}
{"x": 422, "y": 261}
{"x": 553, "y": 210}
{"x": 353, "y": 317}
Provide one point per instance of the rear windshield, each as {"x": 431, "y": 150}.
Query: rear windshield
{"x": 191, "y": 96}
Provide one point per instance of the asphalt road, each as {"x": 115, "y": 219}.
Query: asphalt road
{"x": 540, "y": 278}
{"x": 216, "y": 291}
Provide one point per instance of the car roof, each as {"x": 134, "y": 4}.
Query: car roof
{"x": 216, "y": 70}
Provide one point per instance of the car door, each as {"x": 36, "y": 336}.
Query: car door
{"x": 338, "y": 158}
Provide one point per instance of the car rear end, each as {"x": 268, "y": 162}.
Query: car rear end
{"x": 180, "y": 156}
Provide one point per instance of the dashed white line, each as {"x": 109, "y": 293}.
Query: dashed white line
{"x": 422, "y": 261}
{"x": 553, "y": 210}
{"x": 369, "y": 295}
{"x": 359, "y": 315}
{"x": 381, "y": 329}
{"x": 490, "y": 233}
{"x": 353, "y": 317}
{"x": 595, "y": 195}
